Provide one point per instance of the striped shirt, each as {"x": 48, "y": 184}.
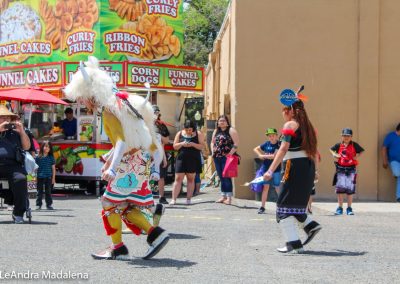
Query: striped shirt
{"x": 45, "y": 164}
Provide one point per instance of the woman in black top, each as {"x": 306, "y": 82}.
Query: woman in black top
{"x": 298, "y": 151}
{"x": 12, "y": 137}
{"x": 189, "y": 142}
{"x": 224, "y": 142}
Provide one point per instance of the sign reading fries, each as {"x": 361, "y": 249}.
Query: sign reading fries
{"x": 42, "y": 31}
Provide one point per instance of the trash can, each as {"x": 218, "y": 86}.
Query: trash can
{"x": 272, "y": 193}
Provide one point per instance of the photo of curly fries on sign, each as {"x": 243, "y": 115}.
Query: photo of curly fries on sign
{"x": 66, "y": 17}
{"x": 160, "y": 44}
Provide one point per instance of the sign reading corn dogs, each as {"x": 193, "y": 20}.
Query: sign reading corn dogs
{"x": 40, "y": 31}
{"x": 165, "y": 76}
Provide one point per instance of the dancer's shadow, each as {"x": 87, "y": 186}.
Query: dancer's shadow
{"x": 183, "y": 236}
{"x": 161, "y": 262}
{"x": 335, "y": 253}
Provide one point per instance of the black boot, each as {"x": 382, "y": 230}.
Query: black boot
{"x": 157, "y": 239}
{"x": 158, "y": 212}
{"x": 311, "y": 230}
{"x": 292, "y": 247}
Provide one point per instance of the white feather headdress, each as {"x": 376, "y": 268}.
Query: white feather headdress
{"x": 90, "y": 82}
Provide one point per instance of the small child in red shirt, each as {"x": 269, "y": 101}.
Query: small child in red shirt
{"x": 345, "y": 154}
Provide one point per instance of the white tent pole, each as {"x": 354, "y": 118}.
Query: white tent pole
{"x": 30, "y": 116}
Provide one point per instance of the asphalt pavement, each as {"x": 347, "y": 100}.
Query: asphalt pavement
{"x": 210, "y": 243}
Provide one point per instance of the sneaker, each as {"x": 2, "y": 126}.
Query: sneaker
{"x": 163, "y": 200}
{"x": 157, "y": 239}
{"x": 311, "y": 230}
{"x": 349, "y": 211}
{"x": 38, "y": 207}
{"x": 18, "y": 219}
{"x": 120, "y": 253}
{"x": 172, "y": 202}
{"x": 294, "y": 247}
{"x": 188, "y": 201}
{"x": 10, "y": 207}
{"x": 339, "y": 211}
{"x": 261, "y": 210}
{"x": 50, "y": 208}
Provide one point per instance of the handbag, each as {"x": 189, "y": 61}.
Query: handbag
{"x": 30, "y": 163}
{"x": 231, "y": 167}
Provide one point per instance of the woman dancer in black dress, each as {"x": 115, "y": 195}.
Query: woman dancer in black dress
{"x": 298, "y": 152}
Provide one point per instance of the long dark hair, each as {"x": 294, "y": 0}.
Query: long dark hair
{"x": 227, "y": 122}
{"x": 44, "y": 143}
{"x": 309, "y": 138}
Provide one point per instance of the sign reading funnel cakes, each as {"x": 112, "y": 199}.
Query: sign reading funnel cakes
{"x": 19, "y": 23}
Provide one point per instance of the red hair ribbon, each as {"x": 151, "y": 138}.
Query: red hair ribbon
{"x": 288, "y": 132}
{"x": 122, "y": 95}
{"x": 303, "y": 98}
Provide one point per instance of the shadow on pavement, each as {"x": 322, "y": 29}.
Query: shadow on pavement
{"x": 27, "y": 223}
{"x": 63, "y": 216}
{"x": 183, "y": 236}
{"x": 335, "y": 253}
{"x": 243, "y": 207}
{"x": 161, "y": 262}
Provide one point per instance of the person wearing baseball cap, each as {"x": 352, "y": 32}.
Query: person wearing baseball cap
{"x": 345, "y": 154}
{"x": 13, "y": 140}
{"x": 266, "y": 152}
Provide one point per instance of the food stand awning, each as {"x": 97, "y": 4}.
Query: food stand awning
{"x": 30, "y": 95}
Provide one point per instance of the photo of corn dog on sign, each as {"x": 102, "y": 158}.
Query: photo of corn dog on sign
{"x": 148, "y": 30}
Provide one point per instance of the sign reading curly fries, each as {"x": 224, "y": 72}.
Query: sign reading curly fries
{"x": 40, "y": 31}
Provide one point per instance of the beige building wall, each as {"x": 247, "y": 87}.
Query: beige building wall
{"x": 345, "y": 52}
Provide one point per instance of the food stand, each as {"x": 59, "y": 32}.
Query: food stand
{"x": 142, "y": 43}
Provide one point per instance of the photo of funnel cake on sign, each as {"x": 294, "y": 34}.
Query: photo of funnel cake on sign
{"x": 18, "y": 24}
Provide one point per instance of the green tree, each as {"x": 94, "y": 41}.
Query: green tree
{"x": 202, "y": 20}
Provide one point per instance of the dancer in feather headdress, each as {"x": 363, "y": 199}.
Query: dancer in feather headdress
{"x": 129, "y": 123}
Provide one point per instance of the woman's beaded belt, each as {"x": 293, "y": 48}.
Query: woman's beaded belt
{"x": 295, "y": 155}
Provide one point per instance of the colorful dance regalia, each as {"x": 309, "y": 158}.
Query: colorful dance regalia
{"x": 129, "y": 123}
{"x": 298, "y": 180}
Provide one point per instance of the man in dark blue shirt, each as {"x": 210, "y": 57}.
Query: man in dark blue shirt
{"x": 69, "y": 125}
